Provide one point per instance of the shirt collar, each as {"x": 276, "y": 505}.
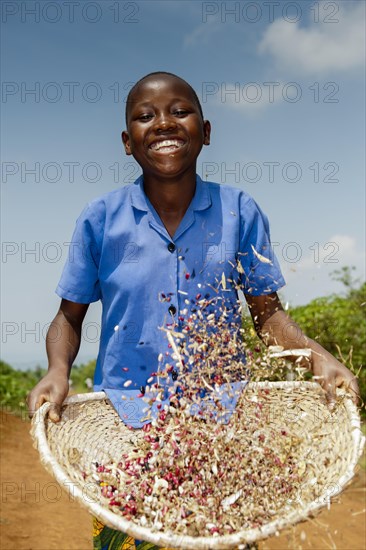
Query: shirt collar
{"x": 200, "y": 201}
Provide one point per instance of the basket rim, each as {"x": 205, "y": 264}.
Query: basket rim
{"x": 166, "y": 538}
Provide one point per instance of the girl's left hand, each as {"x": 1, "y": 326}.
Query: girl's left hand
{"x": 331, "y": 374}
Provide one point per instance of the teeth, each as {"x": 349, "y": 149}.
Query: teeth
{"x": 166, "y": 143}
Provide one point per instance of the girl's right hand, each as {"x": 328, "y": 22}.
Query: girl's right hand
{"x": 53, "y": 388}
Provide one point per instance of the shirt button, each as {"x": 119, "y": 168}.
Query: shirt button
{"x": 171, "y": 247}
{"x": 172, "y": 310}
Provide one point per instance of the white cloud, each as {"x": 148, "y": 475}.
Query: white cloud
{"x": 322, "y": 47}
{"x": 337, "y": 251}
{"x": 202, "y": 34}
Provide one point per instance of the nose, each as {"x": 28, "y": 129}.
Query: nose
{"x": 165, "y": 122}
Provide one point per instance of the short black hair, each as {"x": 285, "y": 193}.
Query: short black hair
{"x": 155, "y": 73}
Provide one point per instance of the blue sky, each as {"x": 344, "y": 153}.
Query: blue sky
{"x": 281, "y": 82}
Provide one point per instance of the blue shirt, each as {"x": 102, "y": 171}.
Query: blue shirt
{"x": 122, "y": 254}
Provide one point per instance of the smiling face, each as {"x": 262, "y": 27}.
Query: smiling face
{"x": 165, "y": 130}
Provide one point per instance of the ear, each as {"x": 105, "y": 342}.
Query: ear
{"x": 126, "y": 142}
{"x": 206, "y": 132}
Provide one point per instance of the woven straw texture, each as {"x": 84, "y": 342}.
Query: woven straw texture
{"x": 91, "y": 431}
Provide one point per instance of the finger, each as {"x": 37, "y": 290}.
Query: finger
{"x": 34, "y": 403}
{"x": 54, "y": 412}
{"x": 330, "y": 394}
{"x": 329, "y": 388}
{"x": 351, "y": 386}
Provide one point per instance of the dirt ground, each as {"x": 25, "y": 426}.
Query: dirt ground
{"x": 37, "y": 515}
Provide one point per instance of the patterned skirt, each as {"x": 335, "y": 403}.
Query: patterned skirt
{"x": 105, "y": 538}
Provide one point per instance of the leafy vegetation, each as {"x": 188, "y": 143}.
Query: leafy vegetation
{"x": 82, "y": 377}
{"x": 338, "y": 323}
{"x": 15, "y": 385}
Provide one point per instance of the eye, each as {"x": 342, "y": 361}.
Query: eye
{"x": 181, "y": 112}
{"x": 145, "y": 117}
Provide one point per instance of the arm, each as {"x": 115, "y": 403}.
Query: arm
{"x": 275, "y": 327}
{"x": 62, "y": 344}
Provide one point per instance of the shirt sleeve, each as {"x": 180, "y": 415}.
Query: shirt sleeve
{"x": 260, "y": 270}
{"x": 79, "y": 280}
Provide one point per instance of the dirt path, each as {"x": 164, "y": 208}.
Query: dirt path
{"x": 37, "y": 515}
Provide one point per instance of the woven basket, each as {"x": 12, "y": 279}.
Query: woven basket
{"x": 91, "y": 431}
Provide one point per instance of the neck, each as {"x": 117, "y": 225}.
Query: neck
{"x": 171, "y": 197}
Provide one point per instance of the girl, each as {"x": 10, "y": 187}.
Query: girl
{"x": 146, "y": 249}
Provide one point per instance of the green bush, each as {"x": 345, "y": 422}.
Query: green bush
{"x": 82, "y": 376}
{"x": 15, "y": 385}
{"x": 338, "y": 323}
